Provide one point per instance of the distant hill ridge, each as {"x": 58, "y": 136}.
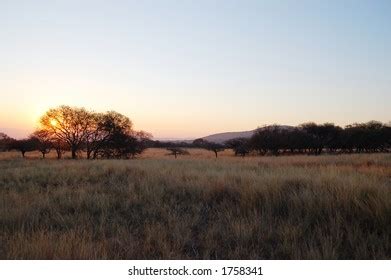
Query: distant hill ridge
{"x": 225, "y": 136}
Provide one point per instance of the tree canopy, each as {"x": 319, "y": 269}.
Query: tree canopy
{"x": 106, "y": 135}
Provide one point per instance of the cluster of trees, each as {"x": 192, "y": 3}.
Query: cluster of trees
{"x": 308, "y": 138}
{"x": 99, "y": 135}
{"x": 111, "y": 135}
{"x": 311, "y": 138}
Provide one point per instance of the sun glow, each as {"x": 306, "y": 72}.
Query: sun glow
{"x": 53, "y": 122}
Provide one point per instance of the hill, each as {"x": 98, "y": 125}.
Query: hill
{"x": 225, "y": 136}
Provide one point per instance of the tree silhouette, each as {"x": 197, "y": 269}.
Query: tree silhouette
{"x": 241, "y": 146}
{"x": 109, "y": 135}
{"x": 114, "y": 137}
{"x": 312, "y": 138}
{"x": 42, "y": 140}
{"x": 210, "y": 146}
{"x": 25, "y": 145}
{"x": 322, "y": 135}
{"x": 60, "y": 147}
{"x": 5, "y": 142}
{"x": 177, "y": 151}
{"x": 199, "y": 143}
{"x": 68, "y": 124}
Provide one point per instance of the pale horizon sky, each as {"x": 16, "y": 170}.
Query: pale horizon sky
{"x": 187, "y": 69}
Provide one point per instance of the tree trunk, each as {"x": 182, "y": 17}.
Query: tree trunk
{"x": 58, "y": 154}
{"x": 23, "y": 152}
{"x": 215, "y": 153}
{"x": 73, "y": 153}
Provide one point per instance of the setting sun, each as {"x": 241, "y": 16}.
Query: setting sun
{"x": 53, "y": 122}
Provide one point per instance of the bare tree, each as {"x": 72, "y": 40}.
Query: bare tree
{"x": 177, "y": 151}
{"x": 71, "y": 125}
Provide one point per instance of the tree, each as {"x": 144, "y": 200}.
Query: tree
{"x": 119, "y": 145}
{"x": 270, "y": 139}
{"x": 25, "y": 145}
{"x": 96, "y": 135}
{"x": 177, "y": 151}
{"x": 114, "y": 137}
{"x": 60, "y": 147}
{"x": 199, "y": 143}
{"x": 5, "y": 142}
{"x": 42, "y": 140}
{"x": 70, "y": 125}
{"x": 215, "y": 147}
{"x": 374, "y": 136}
{"x": 122, "y": 145}
{"x": 322, "y": 135}
{"x": 210, "y": 146}
{"x": 143, "y": 141}
{"x": 298, "y": 140}
{"x": 387, "y": 136}
{"x": 241, "y": 146}
{"x": 109, "y": 135}
{"x": 366, "y": 137}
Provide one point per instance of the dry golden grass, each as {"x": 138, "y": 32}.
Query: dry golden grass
{"x": 196, "y": 207}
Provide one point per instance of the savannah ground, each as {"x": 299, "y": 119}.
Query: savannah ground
{"x": 196, "y": 207}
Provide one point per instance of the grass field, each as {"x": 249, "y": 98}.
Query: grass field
{"x": 196, "y": 207}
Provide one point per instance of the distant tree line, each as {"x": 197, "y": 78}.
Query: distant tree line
{"x": 98, "y": 135}
{"x": 311, "y": 138}
{"x": 111, "y": 135}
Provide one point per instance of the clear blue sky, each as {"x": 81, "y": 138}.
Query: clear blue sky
{"x": 190, "y": 68}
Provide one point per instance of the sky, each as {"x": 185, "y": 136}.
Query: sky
{"x": 187, "y": 69}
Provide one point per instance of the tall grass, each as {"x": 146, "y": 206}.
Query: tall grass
{"x": 299, "y": 207}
